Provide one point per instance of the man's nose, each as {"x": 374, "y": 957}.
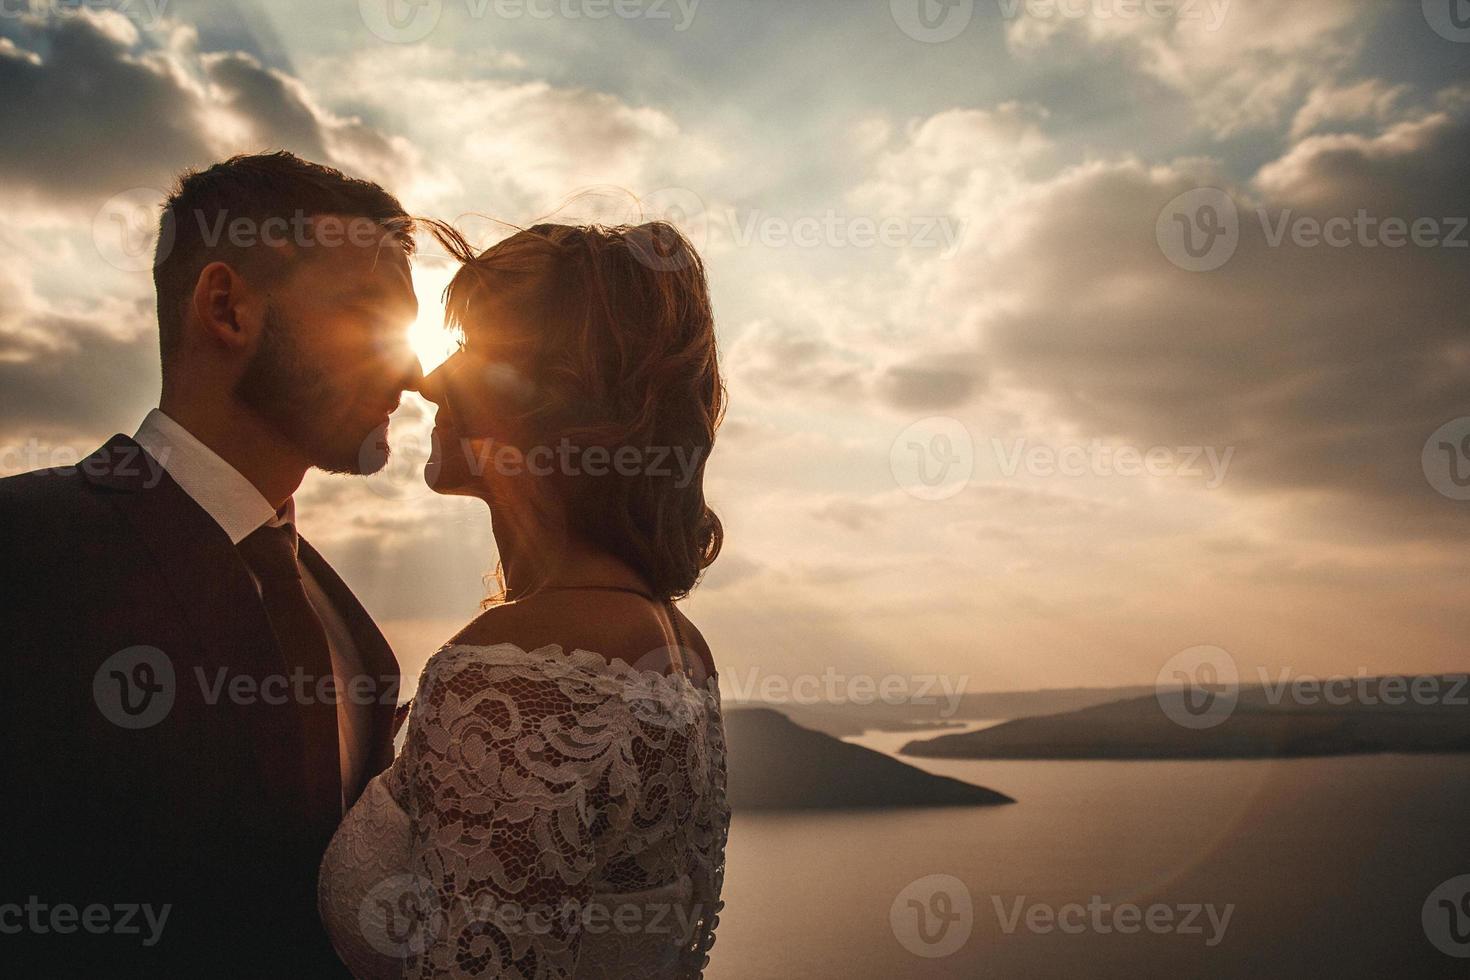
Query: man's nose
{"x": 411, "y": 372}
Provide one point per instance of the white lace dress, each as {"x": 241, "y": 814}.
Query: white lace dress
{"x": 550, "y": 815}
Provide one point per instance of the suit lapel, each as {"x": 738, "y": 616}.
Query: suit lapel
{"x": 212, "y": 590}
{"x": 378, "y": 661}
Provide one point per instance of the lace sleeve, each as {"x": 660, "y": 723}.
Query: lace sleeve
{"x": 516, "y": 787}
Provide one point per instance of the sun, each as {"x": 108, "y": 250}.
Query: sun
{"x": 426, "y": 335}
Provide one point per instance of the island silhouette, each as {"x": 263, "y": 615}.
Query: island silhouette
{"x": 1292, "y": 720}
{"x": 775, "y": 764}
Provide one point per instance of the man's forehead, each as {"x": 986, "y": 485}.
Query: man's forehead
{"x": 379, "y": 265}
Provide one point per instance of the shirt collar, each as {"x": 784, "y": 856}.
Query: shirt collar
{"x": 224, "y": 493}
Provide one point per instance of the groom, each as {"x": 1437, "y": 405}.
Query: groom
{"x": 192, "y": 697}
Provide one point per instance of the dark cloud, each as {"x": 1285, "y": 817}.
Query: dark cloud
{"x": 71, "y": 381}
{"x": 855, "y": 515}
{"x": 1327, "y": 368}
{"x": 93, "y": 107}
{"x": 779, "y": 357}
{"x": 924, "y": 387}
{"x": 84, "y": 114}
{"x": 269, "y": 102}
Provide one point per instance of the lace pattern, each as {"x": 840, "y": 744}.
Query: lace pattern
{"x": 564, "y": 816}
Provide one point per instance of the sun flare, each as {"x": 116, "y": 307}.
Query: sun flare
{"x": 426, "y": 334}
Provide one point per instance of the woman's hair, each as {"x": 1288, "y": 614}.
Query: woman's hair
{"x": 609, "y": 331}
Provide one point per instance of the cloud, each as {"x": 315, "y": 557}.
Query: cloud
{"x": 66, "y": 382}
{"x": 1241, "y": 63}
{"x": 854, "y": 515}
{"x": 1370, "y": 99}
{"x": 94, "y": 107}
{"x": 1325, "y": 367}
{"x": 929, "y": 386}
{"x": 85, "y": 109}
{"x": 953, "y": 155}
{"x": 516, "y": 148}
{"x": 1411, "y": 166}
{"x": 780, "y": 358}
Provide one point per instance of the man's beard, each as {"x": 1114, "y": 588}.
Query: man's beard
{"x": 295, "y": 398}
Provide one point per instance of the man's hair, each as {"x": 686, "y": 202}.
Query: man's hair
{"x": 280, "y": 188}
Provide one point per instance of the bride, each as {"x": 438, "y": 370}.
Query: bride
{"x": 558, "y": 808}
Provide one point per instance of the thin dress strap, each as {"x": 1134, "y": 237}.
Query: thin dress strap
{"x": 676, "y": 652}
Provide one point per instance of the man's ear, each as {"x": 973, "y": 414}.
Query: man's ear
{"x": 220, "y": 304}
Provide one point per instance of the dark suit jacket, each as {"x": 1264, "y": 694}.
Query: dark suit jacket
{"x": 207, "y": 811}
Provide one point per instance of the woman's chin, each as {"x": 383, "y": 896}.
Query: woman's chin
{"x": 439, "y": 472}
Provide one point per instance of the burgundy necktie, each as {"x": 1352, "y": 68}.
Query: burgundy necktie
{"x": 271, "y": 554}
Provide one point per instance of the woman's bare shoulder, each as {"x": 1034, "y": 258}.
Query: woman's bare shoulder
{"x": 616, "y": 626}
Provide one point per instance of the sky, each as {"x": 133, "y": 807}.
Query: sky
{"x": 1061, "y": 337}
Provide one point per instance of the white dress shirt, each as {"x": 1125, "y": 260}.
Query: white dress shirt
{"x": 238, "y": 508}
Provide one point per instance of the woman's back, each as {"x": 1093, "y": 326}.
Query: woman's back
{"x": 553, "y": 813}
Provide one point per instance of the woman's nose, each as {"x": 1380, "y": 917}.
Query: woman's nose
{"x": 431, "y": 385}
